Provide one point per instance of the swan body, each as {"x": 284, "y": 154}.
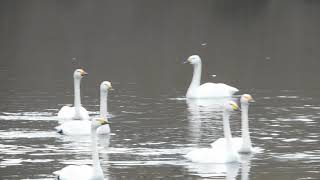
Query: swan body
{"x": 67, "y": 112}
{"x": 218, "y": 154}
{"x": 212, "y": 90}
{"x": 77, "y": 112}
{"x": 207, "y": 90}
{"x": 75, "y": 127}
{"x": 236, "y": 143}
{"x": 71, "y": 173}
{"x": 79, "y": 128}
{"x": 85, "y": 172}
{"x": 212, "y": 155}
{"x": 241, "y": 144}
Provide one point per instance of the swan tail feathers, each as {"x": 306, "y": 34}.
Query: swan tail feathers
{"x": 59, "y": 130}
{"x": 234, "y": 90}
{"x": 57, "y": 173}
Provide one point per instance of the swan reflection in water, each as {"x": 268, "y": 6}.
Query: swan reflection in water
{"x": 227, "y": 171}
{"x": 245, "y": 165}
{"x": 201, "y": 110}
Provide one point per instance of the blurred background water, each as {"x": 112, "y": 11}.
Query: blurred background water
{"x": 267, "y": 48}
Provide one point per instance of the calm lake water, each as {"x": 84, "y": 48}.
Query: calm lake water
{"x": 267, "y": 48}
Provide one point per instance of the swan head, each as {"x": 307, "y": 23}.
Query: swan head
{"x": 79, "y": 73}
{"x": 97, "y": 122}
{"x": 194, "y": 59}
{"x": 105, "y": 86}
{"x": 231, "y": 106}
{"x": 246, "y": 98}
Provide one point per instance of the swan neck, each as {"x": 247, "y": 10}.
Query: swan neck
{"x": 226, "y": 127}
{"x": 245, "y": 126}
{"x": 77, "y": 97}
{"x": 95, "y": 155}
{"x": 196, "y": 78}
{"x": 103, "y": 103}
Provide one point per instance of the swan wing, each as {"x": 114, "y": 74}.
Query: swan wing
{"x": 200, "y": 155}
{"x": 221, "y": 142}
{"x": 216, "y": 90}
{"x": 66, "y": 112}
{"x": 212, "y": 155}
{"x": 231, "y": 89}
{"x": 75, "y": 172}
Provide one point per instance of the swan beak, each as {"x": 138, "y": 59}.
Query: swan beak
{"x": 250, "y": 99}
{"x": 104, "y": 121}
{"x": 235, "y": 107}
{"x": 84, "y": 73}
{"x": 111, "y": 88}
{"x": 186, "y": 61}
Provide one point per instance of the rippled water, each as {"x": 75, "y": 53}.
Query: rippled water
{"x": 150, "y": 135}
{"x": 256, "y": 46}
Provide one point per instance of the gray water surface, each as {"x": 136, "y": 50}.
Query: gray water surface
{"x": 268, "y": 48}
{"x": 150, "y": 135}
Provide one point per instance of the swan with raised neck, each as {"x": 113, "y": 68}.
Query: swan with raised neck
{"x": 219, "y": 153}
{"x": 231, "y": 156}
{"x": 206, "y": 90}
{"x": 77, "y": 112}
{"x": 85, "y": 172}
{"x": 241, "y": 144}
{"x": 76, "y": 127}
{"x": 246, "y": 146}
{"x": 105, "y": 87}
{"x": 77, "y": 76}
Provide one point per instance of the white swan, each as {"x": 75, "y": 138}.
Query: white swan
{"x": 207, "y": 90}
{"x": 76, "y": 112}
{"x": 105, "y": 86}
{"x": 85, "y": 172}
{"x": 243, "y": 144}
{"x": 218, "y": 154}
{"x": 76, "y": 127}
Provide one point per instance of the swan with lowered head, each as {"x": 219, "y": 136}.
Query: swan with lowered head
{"x": 77, "y": 112}
{"x": 76, "y": 127}
{"x": 218, "y": 154}
{"x": 207, "y": 90}
{"x": 86, "y": 172}
{"x": 241, "y": 144}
